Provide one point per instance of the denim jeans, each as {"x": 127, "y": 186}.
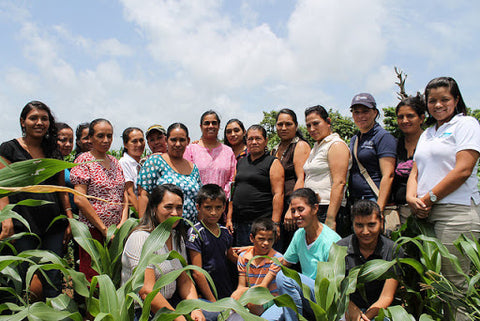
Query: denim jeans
{"x": 288, "y": 286}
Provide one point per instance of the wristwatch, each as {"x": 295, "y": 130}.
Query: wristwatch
{"x": 433, "y": 197}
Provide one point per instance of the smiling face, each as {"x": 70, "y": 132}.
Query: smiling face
{"x": 367, "y": 229}
{"x": 210, "y": 126}
{"x": 36, "y": 123}
{"x": 317, "y": 127}
{"x": 286, "y": 128}
{"x": 234, "y": 134}
{"x": 409, "y": 122}
{"x": 364, "y": 117}
{"x": 177, "y": 143}
{"x": 65, "y": 141}
{"x": 102, "y": 137}
{"x": 441, "y": 104}
{"x": 302, "y": 212}
{"x": 256, "y": 143}
{"x": 262, "y": 242}
{"x": 136, "y": 144}
{"x": 157, "y": 142}
{"x": 171, "y": 205}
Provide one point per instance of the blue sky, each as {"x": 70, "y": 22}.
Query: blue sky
{"x": 139, "y": 62}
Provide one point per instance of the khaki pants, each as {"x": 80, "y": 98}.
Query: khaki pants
{"x": 450, "y": 221}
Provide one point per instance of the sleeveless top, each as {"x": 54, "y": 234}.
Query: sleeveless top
{"x": 252, "y": 196}
{"x": 287, "y": 162}
{"x": 38, "y": 217}
{"x": 317, "y": 169}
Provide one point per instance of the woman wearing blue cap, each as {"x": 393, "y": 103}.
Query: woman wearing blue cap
{"x": 374, "y": 151}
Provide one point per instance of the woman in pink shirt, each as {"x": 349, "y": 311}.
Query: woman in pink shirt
{"x": 215, "y": 161}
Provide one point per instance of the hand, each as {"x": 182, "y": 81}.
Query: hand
{"x": 288, "y": 221}
{"x": 197, "y": 315}
{"x": 7, "y": 229}
{"x": 67, "y": 236}
{"x": 240, "y": 249}
{"x": 419, "y": 208}
{"x": 229, "y": 226}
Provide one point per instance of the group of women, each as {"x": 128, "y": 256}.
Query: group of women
{"x": 430, "y": 173}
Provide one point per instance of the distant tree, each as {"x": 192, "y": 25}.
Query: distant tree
{"x": 390, "y": 121}
{"x": 342, "y": 125}
{"x": 268, "y": 122}
{"x": 474, "y": 113}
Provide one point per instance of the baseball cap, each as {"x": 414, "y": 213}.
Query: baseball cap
{"x": 364, "y": 99}
{"x": 158, "y": 128}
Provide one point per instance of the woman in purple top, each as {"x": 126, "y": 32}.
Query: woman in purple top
{"x": 215, "y": 161}
{"x": 234, "y": 137}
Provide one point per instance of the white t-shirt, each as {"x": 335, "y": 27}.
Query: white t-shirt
{"x": 130, "y": 169}
{"x": 131, "y": 257}
{"x": 435, "y": 157}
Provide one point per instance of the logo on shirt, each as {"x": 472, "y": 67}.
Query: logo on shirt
{"x": 192, "y": 238}
{"x": 445, "y": 135}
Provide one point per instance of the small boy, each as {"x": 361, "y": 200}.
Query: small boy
{"x": 262, "y": 271}
{"x": 210, "y": 244}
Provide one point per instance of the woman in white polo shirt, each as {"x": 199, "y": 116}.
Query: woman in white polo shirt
{"x": 442, "y": 186}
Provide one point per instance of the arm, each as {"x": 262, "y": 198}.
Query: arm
{"x": 232, "y": 255}
{"x": 277, "y": 181}
{"x": 354, "y": 313}
{"x": 125, "y": 209}
{"x": 187, "y": 291}
{"x": 87, "y": 209}
{"x": 200, "y": 279}
{"x": 142, "y": 201}
{"x": 241, "y": 288}
{"x": 132, "y": 198}
{"x": 465, "y": 161}
{"x": 387, "y": 167}
{"x": 7, "y": 225}
{"x": 417, "y": 205}
{"x": 159, "y": 301}
{"x": 66, "y": 206}
{"x": 300, "y": 156}
{"x": 338, "y": 160}
{"x": 385, "y": 299}
{"x": 229, "y": 223}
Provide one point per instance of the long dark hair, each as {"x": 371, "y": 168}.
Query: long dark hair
{"x": 78, "y": 137}
{"x": 417, "y": 103}
{"x": 292, "y": 114}
{"x": 149, "y": 221}
{"x": 239, "y": 122}
{"x": 126, "y": 137}
{"x": 49, "y": 141}
{"x": 452, "y": 85}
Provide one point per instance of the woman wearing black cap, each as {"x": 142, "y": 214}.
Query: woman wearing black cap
{"x": 373, "y": 149}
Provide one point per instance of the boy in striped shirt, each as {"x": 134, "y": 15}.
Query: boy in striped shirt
{"x": 262, "y": 271}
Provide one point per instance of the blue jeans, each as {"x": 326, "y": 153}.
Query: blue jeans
{"x": 288, "y": 286}
{"x": 51, "y": 241}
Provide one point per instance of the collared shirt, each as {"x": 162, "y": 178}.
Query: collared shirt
{"x": 372, "y": 145}
{"x": 435, "y": 157}
{"x": 385, "y": 250}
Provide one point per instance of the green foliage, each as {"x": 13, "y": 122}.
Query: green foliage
{"x": 390, "y": 121}
{"x": 342, "y": 125}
